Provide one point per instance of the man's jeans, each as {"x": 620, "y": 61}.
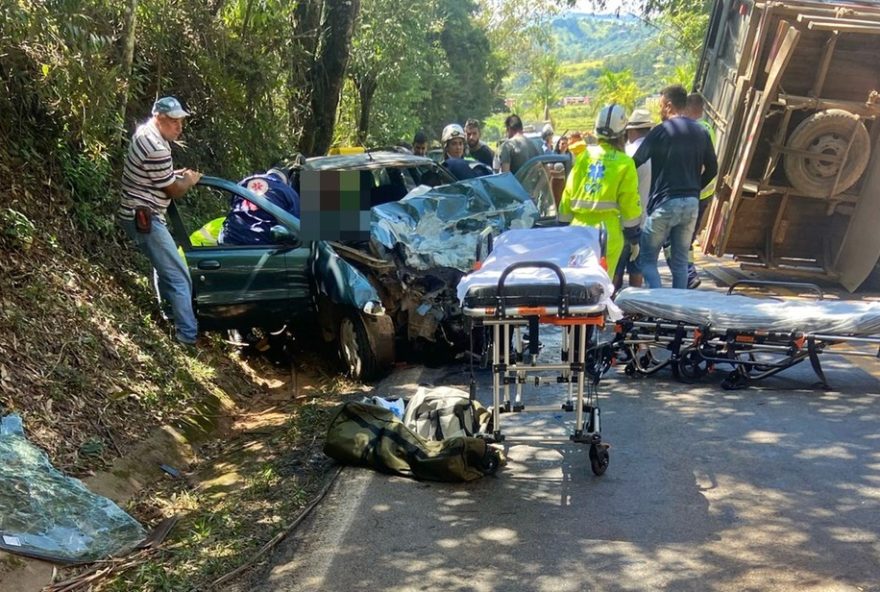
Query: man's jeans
{"x": 675, "y": 220}
{"x": 171, "y": 275}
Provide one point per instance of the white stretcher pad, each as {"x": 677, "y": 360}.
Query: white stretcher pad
{"x": 574, "y": 249}
{"x": 745, "y": 313}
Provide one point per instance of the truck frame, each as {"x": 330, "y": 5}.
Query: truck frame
{"x": 792, "y": 90}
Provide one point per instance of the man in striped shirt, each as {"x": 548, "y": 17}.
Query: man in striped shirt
{"x": 149, "y": 183}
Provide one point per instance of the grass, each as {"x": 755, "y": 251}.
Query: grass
{"x": 240, "y": 498}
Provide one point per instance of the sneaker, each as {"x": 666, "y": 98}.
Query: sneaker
{"x": 694, "y": 282}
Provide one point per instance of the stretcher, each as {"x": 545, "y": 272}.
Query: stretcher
{"x": 544, "y": 277}
{"x": 694, "y": 332}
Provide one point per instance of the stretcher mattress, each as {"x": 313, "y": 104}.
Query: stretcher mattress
{"x": 575, "y": 249}
{"x": 745, "y": 313}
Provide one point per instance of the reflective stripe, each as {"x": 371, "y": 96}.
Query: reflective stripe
{"x": 632, "y": 223}
{"x": 586, "y": 204}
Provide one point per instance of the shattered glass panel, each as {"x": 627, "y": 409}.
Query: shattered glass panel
{"x": 47, "y": 515}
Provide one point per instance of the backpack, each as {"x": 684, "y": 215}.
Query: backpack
{"x": 439, "y": 413}
{"x": 368, "y": 435}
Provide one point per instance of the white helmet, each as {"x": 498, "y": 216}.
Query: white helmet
{"x": 453, "y": 130}
{"x": 611, "y": 121}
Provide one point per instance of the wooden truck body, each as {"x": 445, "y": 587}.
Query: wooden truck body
{"x": 792, "y": 90}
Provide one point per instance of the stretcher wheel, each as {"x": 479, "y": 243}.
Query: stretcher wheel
{"x": 691, "y": 367}
{"x": 647, "y": 361}
{"x": 599, "y": 459}
{"x": 735, "y": 381}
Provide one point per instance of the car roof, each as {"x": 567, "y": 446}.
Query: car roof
{"x": 367, "y": 161}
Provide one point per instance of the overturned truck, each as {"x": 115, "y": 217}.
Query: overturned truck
{"x": 792, "y": 89}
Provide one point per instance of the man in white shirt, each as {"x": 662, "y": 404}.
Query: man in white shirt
{"x": 637, "y": 128}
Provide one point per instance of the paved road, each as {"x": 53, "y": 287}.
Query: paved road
{"x": 775, "y": 488}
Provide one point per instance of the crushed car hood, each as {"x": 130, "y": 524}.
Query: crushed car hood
{"x": 440, "y": 227}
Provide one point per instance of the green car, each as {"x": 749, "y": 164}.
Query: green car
{"x": 288, "y": 283}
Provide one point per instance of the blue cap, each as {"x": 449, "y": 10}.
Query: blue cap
{"x": 169, "y": 106}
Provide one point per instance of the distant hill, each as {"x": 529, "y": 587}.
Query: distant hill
{"x": 588, "y": 43}
{"x": 583, "y": 36}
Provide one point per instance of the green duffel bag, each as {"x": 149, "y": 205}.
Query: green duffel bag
{"x": 367, "y": 435}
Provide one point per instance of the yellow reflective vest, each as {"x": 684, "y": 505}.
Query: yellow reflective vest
{"x": 602, "y": 184}
{"x": 603, "y": 190}
{"x": 709, "y": 190}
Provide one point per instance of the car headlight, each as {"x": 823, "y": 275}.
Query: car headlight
{"x": 374, "y": 308}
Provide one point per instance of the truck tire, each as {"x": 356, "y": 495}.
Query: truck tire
{"x": 827, "y": 132}
{"x": 366, "y": 345}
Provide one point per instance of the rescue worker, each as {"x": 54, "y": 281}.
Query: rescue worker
{"x": 247, "y": 224}
{"x": 603, "y": 188}
{"x": 455, "y": 155}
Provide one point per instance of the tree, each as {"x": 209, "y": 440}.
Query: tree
{"x": 389, "y": 47}
{"x": 460, "y": 84}
{"x": 618, "y": 87}
{"x": 327, "y": 73}
{"x": 546, "y": 76}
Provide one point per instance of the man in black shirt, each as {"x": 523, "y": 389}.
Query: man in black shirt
{"x": 682, "y": 163}
{"x": 477, "y": 149}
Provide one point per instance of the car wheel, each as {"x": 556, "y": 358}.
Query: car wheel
{"x": 366, "y": 345}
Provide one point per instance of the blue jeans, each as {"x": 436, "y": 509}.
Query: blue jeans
{"x": 674, "y": 220}
{"x": 173, "y": 282}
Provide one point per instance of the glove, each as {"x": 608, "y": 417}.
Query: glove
{"x": 634, "y": 251}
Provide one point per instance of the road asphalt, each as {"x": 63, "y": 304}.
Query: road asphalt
{"x": 772, "y": 488}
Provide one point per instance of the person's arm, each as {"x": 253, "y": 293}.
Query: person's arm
{"x": 183, "y": 181}
{"x": 629, "y": 202}
{"x": 643, "y": 154}
{"x": 504, "y": 156}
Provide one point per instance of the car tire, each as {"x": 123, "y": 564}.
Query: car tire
{"x": 366, "y": 345}
{"x": 827, "y": 132}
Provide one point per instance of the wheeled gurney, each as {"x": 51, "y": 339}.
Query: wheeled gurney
{"x": 693, "y": 332}
{"x": 535, "y": 277}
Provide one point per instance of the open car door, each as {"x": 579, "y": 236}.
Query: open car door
{"x": 543, "y": 177}
{"x": 238, "y": 286}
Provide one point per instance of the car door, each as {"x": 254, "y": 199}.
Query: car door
{"x": 543, "y": 177}
{"x": 237, "y": 286}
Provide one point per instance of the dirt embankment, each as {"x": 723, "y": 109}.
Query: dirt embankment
{"x": 94, "y": 372}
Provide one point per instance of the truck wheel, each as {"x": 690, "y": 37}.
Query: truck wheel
{"x": 366, "y": 345}
{"x": 827, "y": 132}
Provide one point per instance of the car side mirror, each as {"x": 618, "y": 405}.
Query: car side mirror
{"x": 281, "y": 235}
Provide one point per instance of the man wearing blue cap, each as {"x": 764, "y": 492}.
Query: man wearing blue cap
{"x": 149, "y": 183}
